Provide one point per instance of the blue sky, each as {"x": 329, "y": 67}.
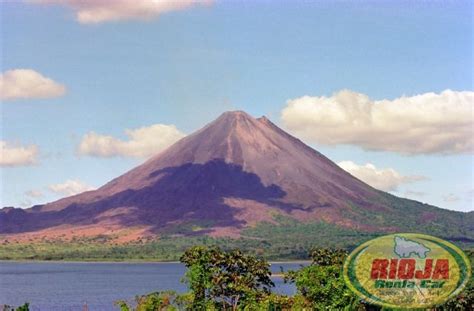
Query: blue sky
{"x": 186, "y": 66}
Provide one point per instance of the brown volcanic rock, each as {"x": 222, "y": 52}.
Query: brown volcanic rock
{"x": 233, "y": 173}
{"x": 258, "y": 147}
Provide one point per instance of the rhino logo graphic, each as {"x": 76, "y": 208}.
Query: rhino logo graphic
{"x": 404, "y": 248}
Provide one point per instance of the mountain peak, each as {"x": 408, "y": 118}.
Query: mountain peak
{"x": 234, "y": 117}
{"x": 237, "y": 117}
{"x": 236, "y": 114}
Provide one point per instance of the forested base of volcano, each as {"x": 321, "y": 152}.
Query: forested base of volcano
{"x": 285, "y": 240}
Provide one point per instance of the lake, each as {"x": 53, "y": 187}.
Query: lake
{"x": 69, "y": 285}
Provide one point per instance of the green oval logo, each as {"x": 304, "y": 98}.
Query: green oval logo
{"x": 407, "y": 270}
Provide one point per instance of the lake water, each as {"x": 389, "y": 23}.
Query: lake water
{"x": 68, "y": 286}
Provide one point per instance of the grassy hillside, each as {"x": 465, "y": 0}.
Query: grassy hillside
{"x": 286, "y": 240}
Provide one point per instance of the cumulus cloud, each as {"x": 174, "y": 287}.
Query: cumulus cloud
{"x": 386, "y": 179}
{"x": 16, "y": 155}
{"x": 28, "y": 84}
{"x": 99, "y": 11}
{"x": 142, "y": 143}
{"x": 422, "y": 124}
{"x": 70, "y": 187}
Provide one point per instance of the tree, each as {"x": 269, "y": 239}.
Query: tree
{"x": 226, "y": 279}
{"x": 328, "y": 256}
{"x": 199, "y": 261}
{"x": 220, "y": 280}
{"x": 321, "y": 283}
{"x": 465, "y": 300}
{"x": 157, "y": 301}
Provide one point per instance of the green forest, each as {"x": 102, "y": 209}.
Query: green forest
{"x": 286, "y": 240}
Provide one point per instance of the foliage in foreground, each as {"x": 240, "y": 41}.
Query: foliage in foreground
{"x": 232, "y": 280}
{"x": 220, "y": 280}
{"x": 24, "y": 307}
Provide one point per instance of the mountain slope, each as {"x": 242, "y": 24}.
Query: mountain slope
{"x": 235, "y": 173}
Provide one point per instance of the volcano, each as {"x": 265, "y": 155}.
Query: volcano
{"x": 236, "y": 173}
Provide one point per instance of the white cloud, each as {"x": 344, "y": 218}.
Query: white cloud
{"x": 143, "y": 142}
{"x": 70, "y": 187}
{"x": 16, "y": 155}
{"x": 423, "y": 124}
{"x": 34, "y": 194}
{"x": 386, "y": 179}
{"x": 99, "y": 11}
{"x": 27, "y": 83}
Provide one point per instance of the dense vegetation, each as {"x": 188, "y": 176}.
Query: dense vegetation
{"x": 220, "y": 280}
{"x": 285, "y": 240}
{"x": 288, "y": 240}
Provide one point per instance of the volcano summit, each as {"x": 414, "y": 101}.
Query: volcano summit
{"x": 230, "y": 178}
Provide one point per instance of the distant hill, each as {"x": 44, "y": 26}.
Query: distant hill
{"x": 237, "y": 177}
